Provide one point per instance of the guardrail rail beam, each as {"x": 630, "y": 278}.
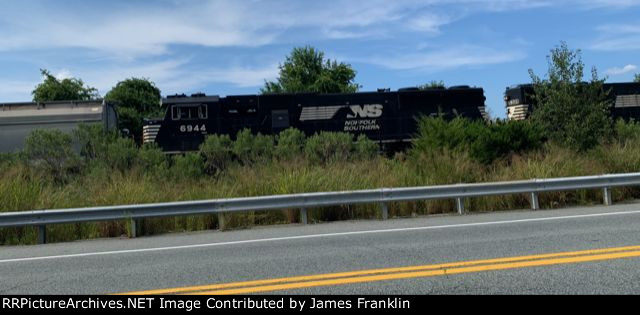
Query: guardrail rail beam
{"x": 304, "y": 201}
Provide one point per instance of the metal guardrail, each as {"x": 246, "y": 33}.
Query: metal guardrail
{"x": 303, "y": 201}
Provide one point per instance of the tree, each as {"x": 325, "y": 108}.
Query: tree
{"x": 135, "y": 99}
{"x": 569, "y": 110}
{"x": 306, "y": 70}
{"x": 637, "y": 78}
{"x": 142, "y": 95}
{"x": 68, "y": 89}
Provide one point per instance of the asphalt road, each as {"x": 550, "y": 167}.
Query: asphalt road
{"x": 579, "y": 250}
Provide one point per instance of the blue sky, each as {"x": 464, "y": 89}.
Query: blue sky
{"x": 231, "y": 47}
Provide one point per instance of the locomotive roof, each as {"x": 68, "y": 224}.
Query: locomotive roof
{"x": 184, "y": 99}
{"x": 607, "y": 84}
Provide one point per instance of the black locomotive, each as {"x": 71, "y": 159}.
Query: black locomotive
{"x": 387, "y": 117}
{"x": 625, "y": 98}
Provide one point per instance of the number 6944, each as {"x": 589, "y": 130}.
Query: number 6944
{"x": 192, "y": 128}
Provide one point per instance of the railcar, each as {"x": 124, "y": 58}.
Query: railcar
{"x": 384, "y": 116}
{"x": 624, "y": 96}
{"x": 17, "y": 120}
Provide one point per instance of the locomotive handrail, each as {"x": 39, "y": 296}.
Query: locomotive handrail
{"x": 303, "y": 201}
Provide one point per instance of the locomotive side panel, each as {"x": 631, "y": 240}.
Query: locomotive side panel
{"x": 384, "y": 117}
{"x": 360, "y": 113}
{"x": 238, "y": 113}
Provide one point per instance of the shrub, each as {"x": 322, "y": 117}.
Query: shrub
{"x": 485, "y": 143}
{"x": 120, "y": 154}
{"x": 435, "y": 133}
{"x": 113, "y": 151}
{"x": 216, "y": 150}
{"x": 189, "y": 165}
{"x": 503, "y": 138}
{"x": 627, "y": 131}
{"x": 290, "y": 144}
{"x": 250, "y": 148}
{"x": 365, "y": 148}
{"x": 328, "y": 147}
{"x": 50, "y": 153}
{"x": 151, "y": 158}
{"x": 93, "y": 140}
{"x": 130, "y": 119}
{"x": 8, "y": 159}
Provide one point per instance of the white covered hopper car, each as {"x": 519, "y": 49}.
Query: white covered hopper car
{"x": 17, "y": 120}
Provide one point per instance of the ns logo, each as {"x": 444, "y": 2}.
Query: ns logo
{"x": 365, "y": 111}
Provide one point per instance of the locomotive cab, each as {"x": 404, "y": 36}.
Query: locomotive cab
{"x": 518, "y": 101}
{"x": 186, "y": 123}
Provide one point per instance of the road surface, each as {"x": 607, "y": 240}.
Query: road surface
{"x": 593, "y": 250}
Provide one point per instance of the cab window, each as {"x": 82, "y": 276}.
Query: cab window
{"x": 188, "y": 112}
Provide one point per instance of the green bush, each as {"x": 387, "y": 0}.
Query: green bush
{"x": 217, "y": 153}
{"x": 365, "y": 148}
{"x": 484, "y": 143}
{"x": 189, "y": 165}
{"x": 151, "y": 158}
{"x": 8, "y": 159}
{"x": 506, "y": 137}
{"x": 627, "y": 131}
{"x": 290, "y": 144}
{"x": 436, "y": 133}
{"x": 328, "y": 147}
{"x": 93, "y": 140}
{"x": 249, "y": 148}
{"x": 121, "y": 154}
{"x": 111, "y": 150}
{"x": 50, "y": 153}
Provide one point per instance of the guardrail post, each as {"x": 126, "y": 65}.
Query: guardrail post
{"x": 460, "y": 205}
{"x": 42, "y": 234}
{"x": 385, "y": 210}
{"x": 535, "y": 205}
{"x": 135, "y": 228}
{"x": 220, "y": 221}
{"x": 606, "y": 194}
{"x": 303, "y": 216}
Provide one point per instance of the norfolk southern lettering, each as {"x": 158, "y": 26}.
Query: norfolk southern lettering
{"x": 385, "y": 117}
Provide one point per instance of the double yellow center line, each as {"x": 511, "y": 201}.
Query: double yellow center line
{"x": 374, "y": 275}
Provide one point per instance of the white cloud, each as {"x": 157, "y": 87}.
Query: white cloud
{"x": 436, "y": 60}
{"x": 608, "y": 4}
{"x": 618, "y": 44}
{"x": 617, "y": 37}
{"x": 428, "y": 22}
{"x": 243, "y": 76}
{"x": 623, "y": 70}
{"x": 135, "y": 30}
{"x": 171, "y": 76}
{"x": 63, "y": 74}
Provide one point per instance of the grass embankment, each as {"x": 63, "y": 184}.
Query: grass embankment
{"x": 114, "y": 174}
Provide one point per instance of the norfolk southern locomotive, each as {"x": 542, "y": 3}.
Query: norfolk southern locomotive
{"x": 624, "y": 96}
{"x": 384, "y": 116}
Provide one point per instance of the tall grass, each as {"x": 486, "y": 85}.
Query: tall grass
{"x": 221, "y": 170}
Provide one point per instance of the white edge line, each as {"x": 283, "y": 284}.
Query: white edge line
{"x": 288, "y": 238}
